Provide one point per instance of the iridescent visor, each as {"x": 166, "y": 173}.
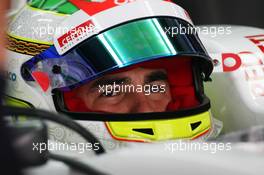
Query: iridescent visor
{"x": 118, "y": 47}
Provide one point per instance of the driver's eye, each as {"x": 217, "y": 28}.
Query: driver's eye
{"x": 110, "y": 92}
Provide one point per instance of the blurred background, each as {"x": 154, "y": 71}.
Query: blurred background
{"x": 238, "y": 12}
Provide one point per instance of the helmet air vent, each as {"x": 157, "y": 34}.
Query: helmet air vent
{"x": 148, "y": 131}
{"x": 195, "y": 125}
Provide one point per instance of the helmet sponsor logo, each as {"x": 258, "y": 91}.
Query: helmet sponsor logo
{"x": 76, "y": 34}
{"x": 10, "y": 76}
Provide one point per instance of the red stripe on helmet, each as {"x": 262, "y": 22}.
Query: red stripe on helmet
{"x": 92, "y": 8}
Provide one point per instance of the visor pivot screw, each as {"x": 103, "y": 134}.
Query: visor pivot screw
{"x": 215, "y": 62}
{"x": 56, "y": 69}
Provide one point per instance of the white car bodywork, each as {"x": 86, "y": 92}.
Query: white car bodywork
{"x": 155, "y": 159}
{"x": 237, "y": 89}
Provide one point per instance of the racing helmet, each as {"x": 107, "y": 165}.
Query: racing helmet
{"x": 106, "y": 38}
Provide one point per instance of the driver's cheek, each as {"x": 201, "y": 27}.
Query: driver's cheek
{"x": 160, "y": 103}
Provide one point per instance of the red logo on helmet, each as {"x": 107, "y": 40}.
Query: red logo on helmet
{"x": 76, "y": 33}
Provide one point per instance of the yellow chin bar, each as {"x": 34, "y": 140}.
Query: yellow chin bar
{"x": 189, "y": 127}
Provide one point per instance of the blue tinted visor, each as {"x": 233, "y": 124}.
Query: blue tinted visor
{"x": 116, "y": 48}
